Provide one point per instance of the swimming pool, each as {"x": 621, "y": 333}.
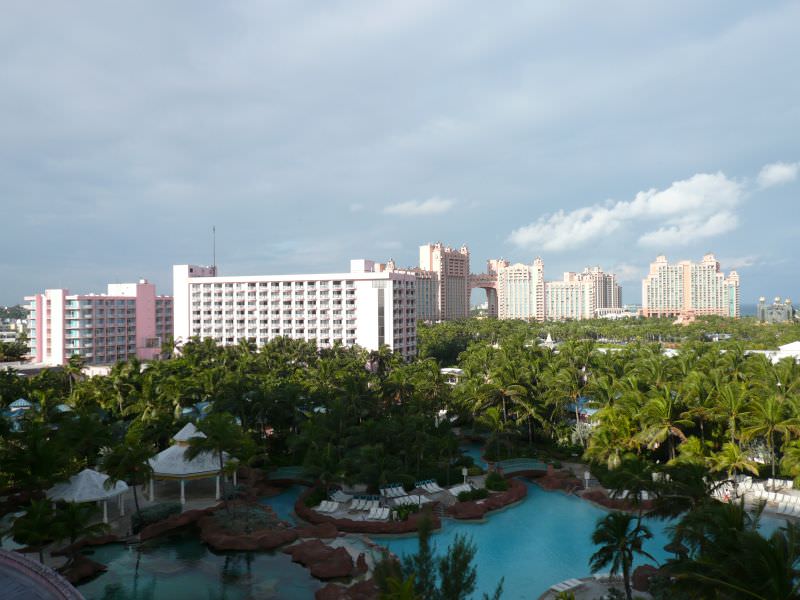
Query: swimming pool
{"x": 283, "y": 504}
{"x": 181, "y": 566}
{"x": 543, "y": 540}
{"x": 474, "y": 450}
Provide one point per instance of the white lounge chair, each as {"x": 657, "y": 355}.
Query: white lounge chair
{"x": 340, "y": 496}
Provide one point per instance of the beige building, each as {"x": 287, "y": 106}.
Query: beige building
{"x": 687, "y": 289}
{"x": 452, "y": 268}
{"x": 523, "y": 293}
{"x": 521, "y": 290}
{"x": 572, "y": 298}
{"x": 442, "y": 282}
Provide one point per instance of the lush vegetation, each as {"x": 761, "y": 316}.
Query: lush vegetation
{"x": 426, "y": 576}
{"x": 13, "y": 312}
{"x": 345, "y": 414}
{"x": 13, "y": 351}
{"x": 701, "y": 416}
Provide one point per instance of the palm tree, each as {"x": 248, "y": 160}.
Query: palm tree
{"x": 732, "y": 460}
{"x": 619, "y": 538}
{"x": 731, "y": 405}
{"x": 35, "y": 527}
{"x": 729, "y": 558}
{"x": 129, "y": 461}
{"x": 221, "y": 435}
{"x": 72, "y": 520}
{"x": 662, "y": 421}
{"x": 768, "y": 417}
{"x": 492, "y": 418}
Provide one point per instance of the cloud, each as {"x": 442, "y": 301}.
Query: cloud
{"x": 740, "y": 262}
{"x": 702, "y": 206}
{"x": 627, "y": 272}
{"x": 777, "y": 174}
{"x": 413, "y": 208}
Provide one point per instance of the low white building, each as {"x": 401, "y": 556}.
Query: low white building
{"x": 369, "y": 306}
{"x": 791, "y": 350}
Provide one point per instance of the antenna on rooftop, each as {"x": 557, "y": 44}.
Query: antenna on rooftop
{"x": 214, "y": 247}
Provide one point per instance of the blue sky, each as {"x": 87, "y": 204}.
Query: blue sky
{"x": 310, "y": 133}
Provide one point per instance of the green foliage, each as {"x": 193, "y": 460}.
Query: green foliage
{"x": 403, "y": 512}
{"x": 35, "y": 527}
{"x": 495, "y": 482}
{"x": 154, "y": 514}
{"x": 315, "y": 498}
{"x": 13, "y": 351}
{"x": 451, "y": 576}
{"x": 727, "y": 557}
{"x": 13, "y": 312}
{"x": 620, "y": 537}
{"x": 477, "y": 494}
{"x": 72, "y": 521}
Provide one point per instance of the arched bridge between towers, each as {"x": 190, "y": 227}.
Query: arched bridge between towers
{"x": 488, "y": 283}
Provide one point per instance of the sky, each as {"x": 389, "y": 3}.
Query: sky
{"x": 309, "y": 133}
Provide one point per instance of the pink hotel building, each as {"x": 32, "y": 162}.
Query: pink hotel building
{"x": 128, "y": 321}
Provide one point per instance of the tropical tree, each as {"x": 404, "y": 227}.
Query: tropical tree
{"x": 732, "y": 460}
{"x": 72, "y": 521}
{"x": 620, "y": 538}
{"x": 221, "y": 435}
{"x": 35, "y": 527}
{"x": 129, "y": 461}
{"x": 661, "y": 421}
{"x": 768, "y": 417}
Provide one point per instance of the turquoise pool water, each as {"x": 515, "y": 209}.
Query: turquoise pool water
{"x": 543, "y": 540}
{"x": 283, "y": 504}
{"x": 180, "y": 566}
{"x": 474, "y": 450}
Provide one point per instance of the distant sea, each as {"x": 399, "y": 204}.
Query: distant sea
{"x": 748, "y": 310}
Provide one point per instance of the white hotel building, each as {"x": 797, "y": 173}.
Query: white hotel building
{"x": 370, "y": 307}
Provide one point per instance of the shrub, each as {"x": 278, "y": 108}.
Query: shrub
{"x": 316, "y": 496}
{"x": 404, "y": 511}
{"x": 154, "y": 514}
{"x": 495, "y": 482}
{"x": 557, "y": 464}
{"x": 233, "y": 492}
{"x": 478, "y": 494}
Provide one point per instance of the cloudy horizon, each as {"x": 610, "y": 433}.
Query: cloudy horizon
{"x": 310, "y": 134}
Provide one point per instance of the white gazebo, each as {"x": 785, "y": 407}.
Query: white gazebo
{"x": 89, "y": 486}
{"x": 172, "y": 464}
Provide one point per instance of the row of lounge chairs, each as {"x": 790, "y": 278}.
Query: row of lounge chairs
{"x": 394, "y": 490}
{"x": 340, "y": 496}
{"x": 790, "y": 509}
{"x": 327, "y": 506}
{"x": 378, "y": 514}
{"x": 430, "y": 486}
{"x": 363, "y": 504}
{"x": 412, "y": 499}
{"x": 456, "y": 490}
{"x": 566, "y": 585}
{"x": 779, "y": 484}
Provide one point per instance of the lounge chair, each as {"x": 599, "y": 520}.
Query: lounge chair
{"x": 456, "y": 490}
{"x": 340, "y": 496}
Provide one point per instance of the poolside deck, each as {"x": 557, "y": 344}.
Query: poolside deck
{"x": 592, "y": 588}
